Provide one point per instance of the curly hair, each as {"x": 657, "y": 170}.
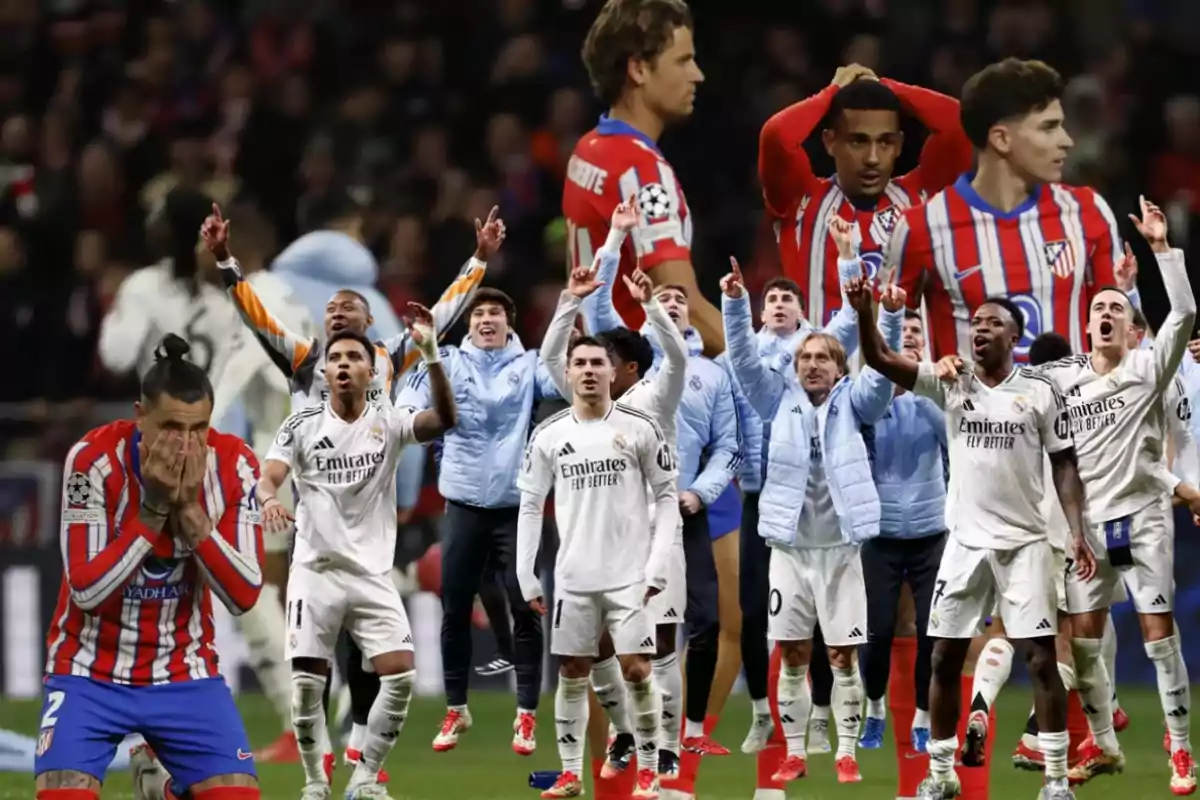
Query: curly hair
{"x": 626, "y": 29}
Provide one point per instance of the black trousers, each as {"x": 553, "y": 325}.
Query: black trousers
{"x": 479, "y": 542}
{"x": 754, "y": 560}
{"x": 888, "y": 563}
{"x": 702, "y": 625}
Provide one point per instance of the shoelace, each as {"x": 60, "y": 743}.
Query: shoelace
{"x": 451, "y": 721}
{"x": 525, "y": 726}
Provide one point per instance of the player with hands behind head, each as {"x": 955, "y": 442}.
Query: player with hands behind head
{"x": 158, "y": 515}
{"x": 342, "y": 456}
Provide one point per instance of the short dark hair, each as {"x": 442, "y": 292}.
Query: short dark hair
{"x": 1050, "y": 346}
{"x": 910, "y": 313}
{"x": 1012, "y": 308}
{"x": 342, "y": 336}
{"x": 488, "y": 295}
{"x": 674, "y": 287}
{"x": 1111, "y": 287}
{"x": 784, "y": 284}
{"x": 175, "y": 376}
{"x": 626, "y": 29}
{"x": 862, "y": 95}
{"x": 1138, "y": 319}
{"x": 357, "y": 296}
{"x": 588, "y": 341}
{"x": 1008, "y": 89}
{"x": 629, "y": 346}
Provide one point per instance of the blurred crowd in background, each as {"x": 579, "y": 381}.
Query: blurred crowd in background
{"x": 431, "y": 112}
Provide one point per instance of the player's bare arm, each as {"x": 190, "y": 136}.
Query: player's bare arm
{"x": 1064, "y": 466}
{"x": 877, "y": 355}
{"x": 432, "y": 422}
{"x": 275, "y": 518}
{"x": 290, "y": 350}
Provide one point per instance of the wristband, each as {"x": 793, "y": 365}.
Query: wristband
{"x": 154, "y": 511}
{"x": 229, "y": 263}
{"x": 270, "y": 500}
{"x": 434, "y": 358}
{"x": 475, "y": 264}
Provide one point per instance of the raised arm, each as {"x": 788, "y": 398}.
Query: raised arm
{"x": 229, "y": 555}
{"x": 599, "y": 312}
{"x": 762, "y": 386}
{"x": 671, "y": 377}
{"x": 99, "y": 557}
{"x": 430, "y": 423}
{"x": 947, "y": 151}
{"x": 875, "y": 352}
{"x": 287, "y": 349}
{"x": 843, "y": 326}
{"x": 553, "y": 352}
{"x": 871, "y": 393}
{"x": 658, "y": 465}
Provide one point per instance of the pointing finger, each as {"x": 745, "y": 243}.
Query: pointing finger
{"x": 217, "y": 212}
{"x": 491, "y": 217}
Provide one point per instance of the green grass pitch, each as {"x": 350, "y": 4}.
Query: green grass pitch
{"x": 484, "y": 768}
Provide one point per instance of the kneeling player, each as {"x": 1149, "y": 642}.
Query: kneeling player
{"x": 157, "y": 515}
{"x": 598, "y": 457}
{"x": 343, "y": 454}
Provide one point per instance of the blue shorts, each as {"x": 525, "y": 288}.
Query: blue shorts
{"x": 193, "y": 727}
{"x": 725, "y": 514}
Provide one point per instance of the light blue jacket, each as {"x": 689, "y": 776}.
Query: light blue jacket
{"x": 910, "y": 473}
{"x": 709, "y": 444}
{"x": 853, "y": 403}
{"x": 777, "y": 352}
{"x": 495, "y": 391}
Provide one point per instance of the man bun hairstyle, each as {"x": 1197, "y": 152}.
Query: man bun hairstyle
{"x": 1008, "y": 89}
{"x": 626, "y": 29}
{"x": 173, "y": 375}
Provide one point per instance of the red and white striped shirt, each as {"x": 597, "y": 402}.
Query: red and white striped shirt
{"x": 1049, "y": 256}
{"x": 136, "y": 604}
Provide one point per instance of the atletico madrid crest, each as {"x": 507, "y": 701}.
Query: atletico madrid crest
{"x": 45, "y": 739}
{"x": 1060, "y": 257}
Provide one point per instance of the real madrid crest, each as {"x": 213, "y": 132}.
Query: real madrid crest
{"x": 619, "y": 442}
{"x": 1020, "y": 404}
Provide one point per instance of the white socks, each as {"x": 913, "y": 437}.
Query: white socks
{"x": 384, "y": 722}
{"x": 570, "y": 721}
{"x": 358, "y": 735}
{"x": 1095, "y": 690}
{"x": 941, "y": 758}
{"x": 669, "y": 679}
{"x": 847, "y": 705}
{"x": 795, "y": 700}
{"x": 609, "y": 685}
{"x": 1054, "y": 751}
{"x": 647, "y": 714}
{"x": 263, "y": 627}
{"x": 1173, "y": 689}
{"x": 308, "y": 721}
{"x": 991, "y": 672}
{"x": 876, "y": 709}
{"x": 1108, "y": 649}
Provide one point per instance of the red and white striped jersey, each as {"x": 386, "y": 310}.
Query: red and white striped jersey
{"x": 1049, "y": 256}
{"x": 610, "y": 164}
{"x": 807, "y": 251}
{"x": 136, "y": 604}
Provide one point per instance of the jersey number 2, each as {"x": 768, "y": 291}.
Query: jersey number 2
{"x": 54, "y": 702}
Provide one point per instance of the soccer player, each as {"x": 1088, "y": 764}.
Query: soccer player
{"x": 342, "y": 456}
{"x": 1000, "y": 422}
{"x": 817, "y": 443}
{"x": 158, "y": 515}
{"x": 657, "y": 390}
{"x": 641, "y": 59}
{"x": 300, "y": 358}
{"x": 608, "y": 464}
{"x": 709, "y": 448}
{"x": 784, "y": 328}
{"x": 1117, "y": 415}
{"x": 1009, "y": 229}
{"x": 864, "y": 139}
{"x": 909, "y": 470}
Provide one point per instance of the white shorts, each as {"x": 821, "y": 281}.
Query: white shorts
{"x": 1017, "y": 584}
{"x": 1150, "y": 580}
{"x": 817, "y": 585}
{"x": 668, "y": 606}
{"x": 322, "y": 602}
{"x": 580, "y": 619}
{"x": 1060, "y": 578}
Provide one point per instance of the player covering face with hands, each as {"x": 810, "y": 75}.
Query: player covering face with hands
{"x": 342, "y": 456}
{"x": 607, "y": 464}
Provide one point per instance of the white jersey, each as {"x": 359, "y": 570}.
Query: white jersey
{"x": 345, "y": 476}
{"x": 1057, "y": 527}
{"x": 998, "y": 438}
{"x": 1178, "y": 412}
{"x": 599, "y": 471}
{"x": 151, "y": 303}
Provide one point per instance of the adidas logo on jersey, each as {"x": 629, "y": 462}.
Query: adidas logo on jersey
{"x": 1044, "y": 625}
{"x": 1159, "y": 600}
{"x": 567, "y": 450}
{"x": 407, "y": 639}
{"x": 855, "y": 633}
{"x": 325, "y": 443}
{"x": 647, "y": 642}
{"x": 671, "y": 614}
